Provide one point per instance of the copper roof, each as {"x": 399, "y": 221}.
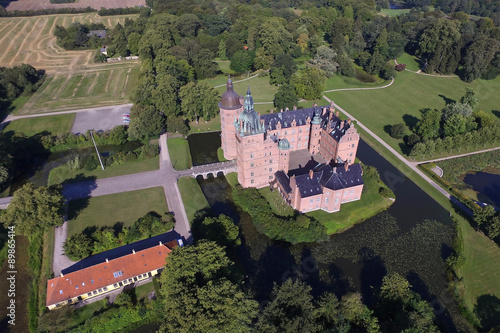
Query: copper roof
{"x": 230, "y": 99}
{"x": 104, "y": 274}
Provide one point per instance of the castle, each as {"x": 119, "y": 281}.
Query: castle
{"x": 262, "y": 146}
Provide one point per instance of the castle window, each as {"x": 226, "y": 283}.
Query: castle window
{"x": 298, "y": 146}
{"x": 265, "y": 154}
{"x": 307, "y": 137}
{"x": 251, "y": 181}
{"x": 292, "y": 139}
{"x": 336, "y": 201}
{"x": 353, "y": 145}
{"x": 307, "y": 129}
{"x": 300, "y": 138}
{"x": 251, "y": 155}
{"x": 270, "y": 153}
{"x": 311, "y": 201}
{"x": 278, "y": 133}
{"x": 318, "y": 199}
{"x": 251, "y": 165}
{"x": 327, "y": 193}
{"x": 350, "y": 155}
{"x": 300, "y": 130}
{"x": 271, "y": 177}
{"x": 251, "y": 174}
{"x": 326, "y": 200}
{"x": 352, "y": 191}
{"x": 270, "y": 169}
{"x": 293, "y": 131}
{"x": 291, "y": 147}
{"x": 271, "y": 160}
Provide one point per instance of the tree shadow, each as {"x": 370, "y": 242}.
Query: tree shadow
{"x": 77, "y": 191}
{"x": 371, "y": 274}
{"x": 405, "y": 149}
{"x": 410, "y": 121}
{"x": 387, "y": 129}
{"x": 496, "y": 113}
{"x": 487, "y": 310}
{"x": 447, "y": 100}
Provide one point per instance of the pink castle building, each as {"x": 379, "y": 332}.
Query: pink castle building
{"x": 261, "y": 145}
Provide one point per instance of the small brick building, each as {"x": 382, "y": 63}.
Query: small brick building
{"x": 261, "y": 145}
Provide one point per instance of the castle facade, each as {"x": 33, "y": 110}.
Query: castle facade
{"x": 261, "y": 146}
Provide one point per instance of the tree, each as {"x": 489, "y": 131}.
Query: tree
{"x": 398, "y": 131}
{"x": 285, "y": 97}
{"x": 493, "y": 227}
{"x": 282, "y": 69}
{"x": 199, "y": 100}
{"x": 222, "y": 53}
{"x": 454, "y": 125}
{"x": 242, "y": 61}
{"x": 478, "y": 56}
{"x": 221, "y": 230}
{"x": 325, "y": 60}
{"x": 309, "y": 84}
{"x": 457, "y": 108}
{"x": 145, "y": 122}
{"x": 290, "y": 310}
{"x": 177, "y": 125}
{"x": 483, "y": 215}
{"x": 34, "y": 209}
{"x": 198, "y": 295}
{"x": 188, "y": 25}
{"x": 428, "y": 127}
{"x": 204, "y": 66}
{"x": 395, "y": 287}
{"x": 133, "y": 43}
{"x": 78, "y": 246}
{"x": 484, "y": 119}
{"x": 470, "y": 98}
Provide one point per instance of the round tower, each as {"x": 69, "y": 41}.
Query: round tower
{"x": 284, "y": 147}
{"x": 230, "y": 107}
{"x": 315, "y": 133}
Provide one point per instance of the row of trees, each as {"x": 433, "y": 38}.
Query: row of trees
{"x": 18, "y": 80}
{"x": 82, "y": 245}
{"x": 488, "y": 220}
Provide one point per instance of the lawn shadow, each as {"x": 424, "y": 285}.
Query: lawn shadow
{"x": 405, "y": 149}
{"x": 387, "y": 129}
{"x": 447, "y": 100}
{"x": 496, "y": 113}
{"x": 487, "y": 310}
{"x": 410, "y": 121}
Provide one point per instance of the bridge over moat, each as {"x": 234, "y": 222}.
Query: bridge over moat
{"x": 206, "y": 169}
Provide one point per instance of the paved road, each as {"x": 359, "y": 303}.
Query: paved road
{"x": 402, "y": 159}
{"x": 457, "y": 156}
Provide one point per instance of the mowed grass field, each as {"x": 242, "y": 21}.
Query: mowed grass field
{"x": 73, "y": 79}
{"x": 411, "y": 92}
{"x": 96, "y": 4}
{"x": 193, "y": 198}
{"x": 108, "y": 210}
{"x": 60, "y": 124}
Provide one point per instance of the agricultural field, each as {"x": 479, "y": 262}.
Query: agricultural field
{"x": 45, "y": 4}
{"x": 73, "y": 79}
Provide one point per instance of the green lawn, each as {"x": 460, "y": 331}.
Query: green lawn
{"x": 224, "y": 67}
{"x": 481, "y": 271}
{"x": 402, "y": 102}
{"x": 232, "y": 179}
{"x": 64, "y": 172}
{"x": 192, "y": 197}
{"x": 107, "y": 210}
{"x": 276, "y": 202}
{"x": 343, "y": 82}
{"x": 394, "y": 12}
{"x": 205, "y": 126}
{"x": 261, "y": 90}
{"x": 143, "y": 290}
{"x": 412, "y": 62}
{"x": 178, "y": 149}
{"x": 54, "y": 124}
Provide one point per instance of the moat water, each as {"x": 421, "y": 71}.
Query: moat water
{"x": 487, "y": 185}
{"x": 413, "y": 237}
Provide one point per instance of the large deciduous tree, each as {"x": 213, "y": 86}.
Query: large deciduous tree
{"x": 198, "y": 296}
{"x": 478, "y": 57}
{"x": 309, "y": 84}
{"x": 326, "y": 60}
{"x": 222, "y": 230}
{"x": 34, "y": 209}
{"x": 285, "y": 97}
{"x": 145, "y": 122}
{"x": 282, "y": 69}
{"x": 199, "y": 100}
{"x": 428, "y": 127}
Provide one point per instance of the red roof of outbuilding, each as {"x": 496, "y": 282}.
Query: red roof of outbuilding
{"x": 101, "y": 275}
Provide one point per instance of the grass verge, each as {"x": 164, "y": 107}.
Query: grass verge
{"x": 64, "y": 173}
{"x": 108, "y": 210}
{"x": 59, "y": 124}
{"x": 178, "y": 149}
{"x": 193, "y": 198}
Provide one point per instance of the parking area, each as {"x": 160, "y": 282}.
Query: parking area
{"x": 103, "y": 118}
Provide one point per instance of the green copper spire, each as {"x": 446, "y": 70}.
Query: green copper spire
{"x": 248, "y": 101}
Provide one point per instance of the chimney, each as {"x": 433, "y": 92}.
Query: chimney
{"x": 337, "y": 114}
{"x": 341, "y": 124}
{"x": 295, "y": 107}
{"x": 287, "y": 109}
{"x": 311, "y": 173}
{"x": 272, "y": 111}
{"x": 346, "y": 166}
{"x": 107, "y": 260}
{"x": 349, "y": 121}
{"x": 161, "y": 243}
{"x": 62, "y": 274}
{"x": 324, "y": 111}
{"x": 281, "y": 110}
{"x": 133, "y": 251}
{"x": 330, "y": 115}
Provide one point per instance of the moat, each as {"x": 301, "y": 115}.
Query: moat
{"x": 413, "y": 237}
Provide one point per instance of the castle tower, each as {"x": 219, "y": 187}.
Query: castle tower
{"x": 315, "y": 133}
{"x": 284, "y": 161}
{"x": 230, "y": 107}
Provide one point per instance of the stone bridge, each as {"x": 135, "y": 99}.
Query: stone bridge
{"x": 206, "y": 169}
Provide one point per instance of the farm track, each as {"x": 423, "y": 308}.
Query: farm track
{"x": 45, "y": 4}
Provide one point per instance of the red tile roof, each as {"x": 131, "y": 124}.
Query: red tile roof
{"x": 101, "y": 275}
